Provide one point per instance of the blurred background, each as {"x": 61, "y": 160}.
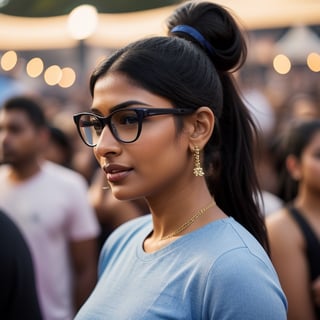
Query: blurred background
{"x": 49, "y": 48}
{"x": 52, "y": 45}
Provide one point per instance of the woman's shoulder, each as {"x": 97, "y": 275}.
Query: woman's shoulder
{"x": 242, "y": 265}
{"x": 280, "y": 224}
{"x": 283, "y": 232}
{"x": 278, "y": 216}
{"x": 224, "y": 237}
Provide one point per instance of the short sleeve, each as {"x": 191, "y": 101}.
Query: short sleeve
{"x": 242, "y": 286}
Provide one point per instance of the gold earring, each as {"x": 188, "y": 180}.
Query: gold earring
{"x": 197, "y": 170}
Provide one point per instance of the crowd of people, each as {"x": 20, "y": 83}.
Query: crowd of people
{"x": 180, "y": 193}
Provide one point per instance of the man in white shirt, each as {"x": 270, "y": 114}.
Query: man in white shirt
{"x": 50, "y": 205}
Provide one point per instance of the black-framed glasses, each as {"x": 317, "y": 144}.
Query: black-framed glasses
{"x": 124, "y": 124}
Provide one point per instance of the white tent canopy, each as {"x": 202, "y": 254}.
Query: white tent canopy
{"x": 115, "y": 30}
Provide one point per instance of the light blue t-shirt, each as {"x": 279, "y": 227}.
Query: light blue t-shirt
{"x": 216, "y": 272}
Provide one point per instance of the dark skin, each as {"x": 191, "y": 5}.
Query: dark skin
{"x": 288, "y": 246}
{"x": 171, "y": 190}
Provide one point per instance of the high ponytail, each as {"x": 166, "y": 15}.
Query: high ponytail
{"x": 236, "y": 189}
{"x": 233, "y": 181}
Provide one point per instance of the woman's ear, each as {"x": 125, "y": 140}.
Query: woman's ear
{"x": 293, "y": 167}
{"x": 200, "y": 127}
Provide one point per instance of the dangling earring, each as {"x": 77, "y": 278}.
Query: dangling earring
{"x": 197, "y": 170}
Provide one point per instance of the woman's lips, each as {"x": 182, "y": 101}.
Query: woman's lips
{"x": 115, "y": 173}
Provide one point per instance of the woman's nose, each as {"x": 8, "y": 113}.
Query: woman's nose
{"x": 107, "y": 143}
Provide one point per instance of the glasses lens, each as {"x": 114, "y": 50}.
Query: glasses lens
{"x": 125, "y": 125}
{"x": 90, "y": 128}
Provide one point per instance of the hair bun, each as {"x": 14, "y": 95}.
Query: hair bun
{"x": 219, "y": 29}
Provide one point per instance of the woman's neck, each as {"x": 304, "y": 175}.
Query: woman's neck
{"x": 308, "y": 200}
{"x": 173, "y": 209}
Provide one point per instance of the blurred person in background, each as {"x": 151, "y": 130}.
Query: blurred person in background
{"x": 294, "y": 231}
{"x": 50, "y": 205}
{"x": 299, "y": 105}
{"x": 59, "y": 148}
{"x": 82, "y": 160}
{"x": 18, "y": 295}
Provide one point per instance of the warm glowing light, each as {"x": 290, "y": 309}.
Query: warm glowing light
{"x": 68, "y": 78}
{"x": 9, "y": 60}
{"x": 3, "y": 3}
{"x": 34, "y": 67}
{"x": 82, "y": 21}
{"x": 281, "y": 64}
{"x": 53, "y": 75}
{"x": 313, "y": 62}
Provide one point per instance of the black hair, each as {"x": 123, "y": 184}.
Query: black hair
{"x": 180, "y": 70}
{"x": 293, "y": 141}
{"x": 31, "y": 107}
{"x": 61, "y": 139}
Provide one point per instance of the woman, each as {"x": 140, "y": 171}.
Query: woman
{"x": 294, "y": 231}
{"x": 167, "y": 125}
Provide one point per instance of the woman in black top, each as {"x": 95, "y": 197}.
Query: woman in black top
{"x": 294, "y": 231}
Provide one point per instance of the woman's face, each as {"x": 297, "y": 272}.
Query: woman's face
{"x": 310, "y": 164}
{"x": 159, "y": 161}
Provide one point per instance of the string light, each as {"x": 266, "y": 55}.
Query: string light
{"x": 281, "y": 64}
{"x": 68, "y": 78}
{"x": 53, "y": 75}
{"x": 9, "y": 60}
{"x": 313, "y": 61}
{"x": 34, "y": 67}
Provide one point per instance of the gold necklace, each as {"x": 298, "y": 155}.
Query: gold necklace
{"x": 188, "y": 223}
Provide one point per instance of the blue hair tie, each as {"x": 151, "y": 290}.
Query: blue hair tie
{"x": 195, "y": 34}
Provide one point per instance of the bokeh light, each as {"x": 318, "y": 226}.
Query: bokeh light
{"x": 82, "y": 21}
{"x": 313, "y": 61}
{"x": 3, "y": 3}
{"x": 281, "y": 64}
{"x": 68, "y": 77}
{"x": 53, "y": 75}
{"x": 9, "y": 60}
{"x": 34, "y": 67}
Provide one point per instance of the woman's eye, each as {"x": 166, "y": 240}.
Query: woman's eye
{"x": 130, "y": 120}
{"x": 95, "y": 125}
{"x": 127, "y": 119}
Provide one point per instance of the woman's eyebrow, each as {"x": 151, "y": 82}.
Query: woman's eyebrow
{"x": 121, "y": 106}
{"x": 127, "y": 104}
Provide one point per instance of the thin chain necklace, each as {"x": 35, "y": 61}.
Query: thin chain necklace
{"x": 188, "y": 223}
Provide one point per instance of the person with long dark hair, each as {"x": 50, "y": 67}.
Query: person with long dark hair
{"x": 168, "y": 125}
{"x": 294, "y": 230}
